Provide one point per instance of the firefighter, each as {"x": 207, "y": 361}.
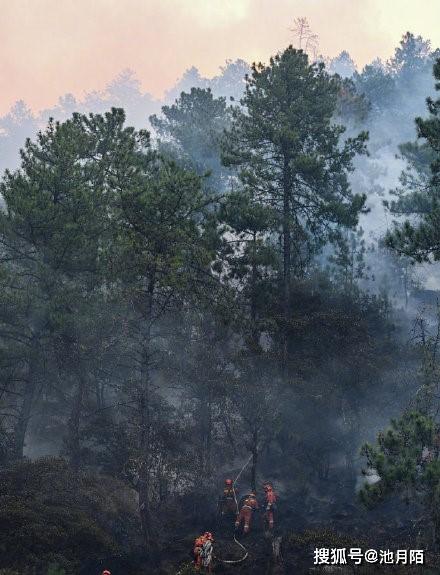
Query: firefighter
{"x": 198, "y": 546}
{"x": 203, "y": 550}
{"x": 227, "y": 503}
{"x": 249, "y": 505}
{"x": 270, "y": 503}
{"x": 207, "y": 551}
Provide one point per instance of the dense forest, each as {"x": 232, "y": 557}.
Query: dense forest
{"x": 206, "y": 289}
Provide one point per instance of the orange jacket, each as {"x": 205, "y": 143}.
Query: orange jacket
{"x": 198, "y": 543}
{"x": 250, "y": 502}
{"x": 271, "y": 497}
{"x": 228, "y": 493}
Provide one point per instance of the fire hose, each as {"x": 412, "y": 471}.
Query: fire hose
{"x": 246, "y": 552}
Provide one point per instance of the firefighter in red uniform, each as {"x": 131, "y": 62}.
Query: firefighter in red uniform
{"x": 270, "y": 503}
{"x": 198, "y": 546}
{"x": 227, "y": 503}
{"x": 207, "y": 551}
{"x": 203, "y": 550}
{"x": 249, "y": 505}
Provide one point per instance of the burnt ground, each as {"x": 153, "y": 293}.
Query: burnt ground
{"x": 290, "y": 549}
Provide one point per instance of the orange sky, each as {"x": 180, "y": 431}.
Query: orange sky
{"x": 51, "y": 47}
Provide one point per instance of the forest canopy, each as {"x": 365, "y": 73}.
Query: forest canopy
{"x": 197, "y": 298}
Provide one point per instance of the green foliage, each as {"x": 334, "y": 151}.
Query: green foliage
{"x": 405, "y": 459}
{"x": 157, "y": 333}
{"x": 51, "y": 516}
{"x": 159, "y": 225}
{"x": 352, "y": 105}
{"x": 349, "y": 259}
{"x": 376, "y": 84}
{"x": 419, "y": 195}
{"x": 339, "y": 372}
{"x": 192, "y": 129}
{"x": 247, "y": 254}
{"x": 289, "y": 152}
{"x": 410, "y": 56}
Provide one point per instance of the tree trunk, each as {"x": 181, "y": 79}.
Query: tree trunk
{"x": 99, "y": 393}
{"x": 145, "y": 449}
{"x": 228, "y": 430}
{"x": 25, "y": 412}
{"x": 254, "y": 331}
{"x": 144, "y": 405}
{"x": 206, "y": 430}
{"x": 254, "y": 460}
{"x": 286, "y": 259}
{"x": 75, "y": 421}
{"x": 24, "y": 416}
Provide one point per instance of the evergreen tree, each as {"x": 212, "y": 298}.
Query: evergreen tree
{"x": 191, "y": 130}
{"x": 406, "y": 462}
{"x": 377, "y": 84}
{"x": 50, "y": 233}
{"x": 159, "y": 261}
{"x": 248, "y": 258}
{"x": 291, "y": 158}
{"x": 349, "y": 259}
{"x": 343, "y": 65}
{"x": 420, "y": 238}
{"x": 410, "y": 57}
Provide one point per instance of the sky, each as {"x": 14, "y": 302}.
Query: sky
{"x": 53, "y": 47}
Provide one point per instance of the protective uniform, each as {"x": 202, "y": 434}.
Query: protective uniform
{"x": 249, "y": 505}
{"x": 203, "y": 550}
{"x": 198, "y": 546}
{"x": 270, "y": 504}
{"x": 227, "y": 502}
{"x": 207, "y": 551}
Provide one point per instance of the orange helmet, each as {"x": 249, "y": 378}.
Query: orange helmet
{"x": 228, "y": 482}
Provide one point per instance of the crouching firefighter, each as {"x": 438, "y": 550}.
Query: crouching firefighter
{"x": 270, "y": 504}
{"x": 249, "y": 505}
{"x": 203, "y": 551}
{"x": 227, "y": 502}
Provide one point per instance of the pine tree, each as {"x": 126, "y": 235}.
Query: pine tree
{"x": 191, "y": 130}
{"x": 420, "y": 238}
{"x": 159, "y": 261}
{"x": 50, "y": 235}
{"x": 405, "y": 460}
{"x": 291, "y": 158}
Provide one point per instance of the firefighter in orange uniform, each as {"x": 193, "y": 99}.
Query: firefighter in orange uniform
{"x": 207, "y": 551}
{"x": 227, "y": 503}
{"x": 249, "y": 505}
{"x": 203, "y": 550}
{"x": 270, "y": 503}
{"x": 198, "y": 545}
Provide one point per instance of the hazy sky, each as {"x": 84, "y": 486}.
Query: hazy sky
{"x": 50, "y": 47}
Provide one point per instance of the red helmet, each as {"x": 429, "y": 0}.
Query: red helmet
{"x": 267, "y": 486}
{"x": 228, "y": 481}
{"x": 106, "y": 572}
{"x": 208, "y": 535}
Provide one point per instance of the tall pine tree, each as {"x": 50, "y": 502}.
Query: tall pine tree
{"x": 291, "y": 158}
